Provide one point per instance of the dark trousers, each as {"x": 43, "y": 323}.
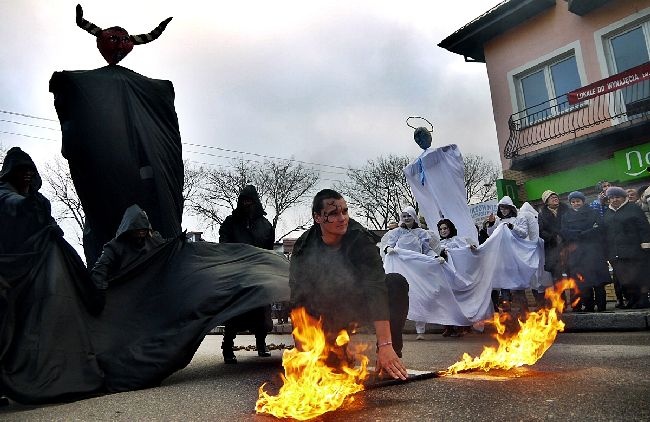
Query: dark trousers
{"x": 258, "y": 321}
{"x": 631, "y": 274}
{"x": 593, "y": 296}
{"x": 398, "y": 302}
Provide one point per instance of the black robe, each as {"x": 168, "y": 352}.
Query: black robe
{"x": 46, "y": 353}
{"x": 122, "y": 142}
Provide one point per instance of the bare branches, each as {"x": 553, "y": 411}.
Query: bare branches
{"x": 379, "y": 190}
{"x": 480, "y": 178}
{"x": 280, "y": 186}
{"x": 64, "y": 195}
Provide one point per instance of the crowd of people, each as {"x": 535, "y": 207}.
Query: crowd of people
{"x": 573, "y": 239}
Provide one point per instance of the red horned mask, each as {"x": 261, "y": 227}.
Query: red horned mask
{"x": 115, "y": 43}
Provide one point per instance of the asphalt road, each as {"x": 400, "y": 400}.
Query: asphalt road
{"x": 583, "y": 376}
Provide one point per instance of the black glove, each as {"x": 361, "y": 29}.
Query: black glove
{"x": 510, "y": 226}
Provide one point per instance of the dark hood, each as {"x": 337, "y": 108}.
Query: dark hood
{"x": 134, "y": 219}
{"x": 17, "y": 157}
{"x": 250, "y": 192}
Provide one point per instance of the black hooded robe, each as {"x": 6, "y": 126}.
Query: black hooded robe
{"x": 46, "y": 353}
{"x": 122, "y": 142}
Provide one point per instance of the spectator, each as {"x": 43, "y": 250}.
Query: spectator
{"x": 583, "y": 245}
{"x": 550, "y": 219}
{"x": 413, "y": 238}
{"x": 247, "y": 224}
{"x": 602, "y": 201}
{"x": 644, "y": 200}
{"x": 336, "y": 273}
{"x": 627, "y": 234}
{"x": 632, "y": 195}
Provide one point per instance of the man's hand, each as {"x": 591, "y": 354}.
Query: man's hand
{"x": 388, "y": 362}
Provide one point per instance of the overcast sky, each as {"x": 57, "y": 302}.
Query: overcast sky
{"x": 329, "y": 82}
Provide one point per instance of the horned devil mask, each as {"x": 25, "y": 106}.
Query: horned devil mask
{"x": 115, "y": 43}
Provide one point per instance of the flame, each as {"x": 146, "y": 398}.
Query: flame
{"x": 536, "y": 334}
{"x": 311, "y": 387}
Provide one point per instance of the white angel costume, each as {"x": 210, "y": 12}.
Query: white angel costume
{"x": 436, "y": 178}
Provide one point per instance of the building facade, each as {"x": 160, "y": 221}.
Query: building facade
{"x": 570, "y": 86}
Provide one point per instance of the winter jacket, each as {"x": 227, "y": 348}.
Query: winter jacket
{"x": 550, "y": 228}
{"x": 627, "y": 233}
{"x": 344, "y": 285}
{"x": 584, "y": 246}
{"x": 250, "y": 227}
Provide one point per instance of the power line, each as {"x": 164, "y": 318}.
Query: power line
{"x": 28, "y": 116}
{"x": 27, "y": 124}
{"x": 264, "y": 156}
{"x": 184, "y": 143}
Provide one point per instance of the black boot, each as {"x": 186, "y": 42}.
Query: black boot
{"x": 262, "y": 351}
{"x": 227, "y": 349}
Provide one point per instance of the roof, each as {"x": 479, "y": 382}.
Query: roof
{"x": 468, "y": 41}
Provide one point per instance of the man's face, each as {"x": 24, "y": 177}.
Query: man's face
{"x": 632, "y": 196}
{"x": 407, "y": 219}
{"x": 576, "y": 203}
{"x": 505, "y": 210}
{"x": 616, "y": 201}
{"x": 114, "y": 45}
{"x": 333, "y": 218}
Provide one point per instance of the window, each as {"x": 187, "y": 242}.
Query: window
{"x": 542, "y": 92}
{"x": 628, "y": 49}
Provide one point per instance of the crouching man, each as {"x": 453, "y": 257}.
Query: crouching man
{"x": 336, "y": 273}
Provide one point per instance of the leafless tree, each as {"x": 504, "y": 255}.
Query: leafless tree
{"x": 480, "y": 178}
{"x": 280, "y": 186}
{"x": 379, "y": 190}
{"x": 284, "y": 184}
{"x": 60, "y": 188}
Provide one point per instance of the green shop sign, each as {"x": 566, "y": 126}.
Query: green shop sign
{"x": 633, "y": 162}
{"x": 627, "y": 165}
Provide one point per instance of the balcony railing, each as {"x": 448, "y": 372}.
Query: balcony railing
{"x": 556, "y": 118}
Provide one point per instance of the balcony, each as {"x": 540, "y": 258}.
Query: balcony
{"x": 552, "y": 124}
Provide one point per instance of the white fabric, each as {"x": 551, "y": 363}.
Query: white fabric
{"x": 542, "y": 278}
{"x": 435, "y": 295}
{"x": 458, "y": 292}
{"x": 508, "y": 260}
{"x": 529, "y": 213}
{"x": 443, "y": 193}
{"x": 416, "y": 240}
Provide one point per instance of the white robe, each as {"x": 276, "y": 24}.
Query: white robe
{"x": 437, "y": 179}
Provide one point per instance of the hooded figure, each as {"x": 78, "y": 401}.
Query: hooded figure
{"x": 24, "y": 210}
{"x": 507, "y": 214}
{"x": 134, "y": 239}
{"x": 247, "y": 224}
{"x": 408, "y": 235}
{"x": 45, "y": 296}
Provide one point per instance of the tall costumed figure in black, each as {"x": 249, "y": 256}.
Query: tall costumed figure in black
{"x": 121, "y": 138}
